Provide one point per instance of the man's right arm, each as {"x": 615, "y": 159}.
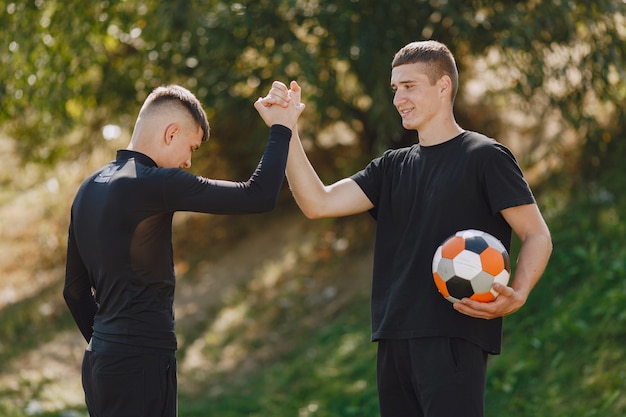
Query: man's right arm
{"x": 315, "y": 199}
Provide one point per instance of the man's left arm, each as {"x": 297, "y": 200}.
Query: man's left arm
{"x": 77, "y": 290}
{"x": 529, "y": 225}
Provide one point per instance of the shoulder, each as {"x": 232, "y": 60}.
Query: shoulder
{"x": 391, "y": 156}
{"x": 475, "y": 140}
{"x": 388, "y": 162}
{"x": 484, "y": 146}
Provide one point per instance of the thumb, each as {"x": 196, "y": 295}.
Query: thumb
{"x": 294, "y": 86}
{"x": 259, "y": 104}
{"x": 295, "y": 93}
{"x": 502, "y": 289}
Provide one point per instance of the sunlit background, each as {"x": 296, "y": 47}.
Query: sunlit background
{"x": 273, "y": 310}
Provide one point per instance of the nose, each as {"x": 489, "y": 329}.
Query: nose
{"x": 397, "y": 98}
{"x": 186, "y": 164}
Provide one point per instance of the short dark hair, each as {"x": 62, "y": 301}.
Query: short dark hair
{"x": 436, "y": 55}
{"x": 180, "y": 96}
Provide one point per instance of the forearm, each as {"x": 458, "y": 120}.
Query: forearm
{"x": 187, "y": 192}
{"x": 83, "y": 310}
{"x": 266, "y": 181}
{"x": 531, "y": 263}
{"x": 77, "y": 289}
{"x": 306, "y": 186}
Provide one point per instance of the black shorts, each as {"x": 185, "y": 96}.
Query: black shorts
{"x": 123, "y": 381}
{"x": 431, "y": 377}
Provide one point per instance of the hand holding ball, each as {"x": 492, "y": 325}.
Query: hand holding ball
{"x": 468, "y": 263}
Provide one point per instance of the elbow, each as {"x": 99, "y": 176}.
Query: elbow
{"x": 312, "y": 215}
{"x": 547, "y": 238}
{"x": 67, "y": 296}
{"x": 543, "y": 242}
{"x": 266, "y": 204}
{"x": 313, "y": 212}
{"x": 549, "y": 244}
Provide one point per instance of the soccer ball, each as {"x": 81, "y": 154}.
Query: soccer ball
{"x": 468, "y": 263}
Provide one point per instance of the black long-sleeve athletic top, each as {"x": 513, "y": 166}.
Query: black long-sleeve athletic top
{"x": 119, "y": 282}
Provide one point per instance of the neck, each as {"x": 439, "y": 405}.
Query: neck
{"x": 439, "y": 132}
{"x": 140, "y": 143}
{"x": 441, "y": 138}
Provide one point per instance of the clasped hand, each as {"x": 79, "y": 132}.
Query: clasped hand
{"x": 289, "y": 105}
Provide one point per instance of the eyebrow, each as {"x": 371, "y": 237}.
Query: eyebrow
{"x": 393, "y": 85}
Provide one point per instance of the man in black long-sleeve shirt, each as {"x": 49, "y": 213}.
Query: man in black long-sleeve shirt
{"x": 119, "y": 283}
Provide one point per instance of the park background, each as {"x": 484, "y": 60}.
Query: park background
{"x": 273, "y": 309}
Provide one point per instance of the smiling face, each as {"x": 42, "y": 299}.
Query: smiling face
{"x": 418, "y": 100}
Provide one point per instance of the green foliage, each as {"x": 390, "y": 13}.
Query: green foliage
{"x": 86, "y": 64}
{"x": 71, "y": 67}
{"x": 564, "y": 352}
{"x": 29, "y": 323}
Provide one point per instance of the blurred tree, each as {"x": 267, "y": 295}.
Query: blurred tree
{"x": 72, "y": 65}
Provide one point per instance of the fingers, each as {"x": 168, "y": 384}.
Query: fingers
{"x": 506, "y": 303}
{"x": 279, "y": 94}
{"x": 261, "y": 102}
{"x": 295, "y": 87}
{"x": 295, "y": 94}
{"x": 288, "y": 105}
{"x": 503, "y": 289}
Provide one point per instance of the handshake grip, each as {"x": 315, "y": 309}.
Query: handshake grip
{"x": 281, "y": 106}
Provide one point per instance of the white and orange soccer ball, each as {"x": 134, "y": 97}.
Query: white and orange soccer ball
{"x": 467, "y": 264}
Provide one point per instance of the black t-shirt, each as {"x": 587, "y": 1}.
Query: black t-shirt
{"x": 120, "y": 280}
{"x": 422, "y": 195}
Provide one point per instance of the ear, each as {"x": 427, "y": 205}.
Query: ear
{"x": 170, "y": 131}
{"x": 445, "y": 85}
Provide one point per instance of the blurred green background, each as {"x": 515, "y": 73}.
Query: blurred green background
{"x": 273, "y": 309}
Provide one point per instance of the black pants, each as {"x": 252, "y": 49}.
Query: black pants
{"x": 431, "y": 377}
{"x": 124, "y": 381}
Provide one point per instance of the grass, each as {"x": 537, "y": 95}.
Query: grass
{"x": 329, "y": 373}
{"x": 283, "y": 329}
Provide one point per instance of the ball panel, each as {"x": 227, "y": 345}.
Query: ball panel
{"x": 441, "y": 285}
{"x": 466, "y": 264}
{"x": 459, "y": 287}
{"x": 445, "y": 269}
{"x": 476, "y": 244}
{"x": 484, "y": 297}
{"x": 436, "y": 259}
{"x": 507, "y": 260}
{"x": 482, "y": 282}
{"x": 502, "y": 277}
{"x": 452, "y": 299}
{"x": 452, "y": 247}
{"x": 492, "y": 261}
{"x": 465, "y": 234}
{"x": 494, "y": 242}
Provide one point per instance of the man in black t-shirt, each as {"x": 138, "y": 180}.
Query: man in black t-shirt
{"x": 432, "y": 355}
{"x": 119, "y": 283}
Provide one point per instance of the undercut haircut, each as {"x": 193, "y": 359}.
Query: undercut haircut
{"x": 180, "y": 97}
{"x": 437, "y": 58}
